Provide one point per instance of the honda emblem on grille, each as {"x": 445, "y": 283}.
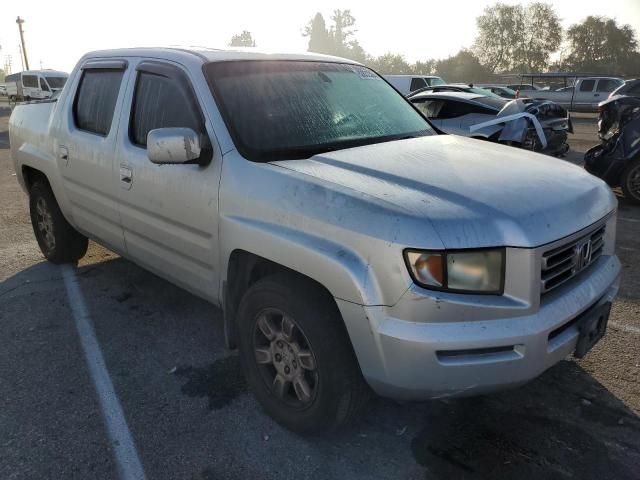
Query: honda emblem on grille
{"x": 582, "y": 254}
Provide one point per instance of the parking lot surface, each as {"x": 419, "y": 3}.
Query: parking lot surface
{"x": 189, "y": 413}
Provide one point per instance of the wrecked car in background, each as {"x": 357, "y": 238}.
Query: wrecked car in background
{"x": 617, "y": 158}
{"x": 541, "y": 126}
{"x": 455, "y": 87}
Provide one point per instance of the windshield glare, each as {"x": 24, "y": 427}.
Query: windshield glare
{"x": 279, "y": 110}
{"x": 436, "y": 81}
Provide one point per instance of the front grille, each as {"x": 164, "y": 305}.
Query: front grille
{"x": 562, "y": 263}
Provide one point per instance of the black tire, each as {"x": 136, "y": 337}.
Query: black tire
{"x": 630, "y": 182}
{"x": 337, "y": 390}
{"x": 58, "y": 240}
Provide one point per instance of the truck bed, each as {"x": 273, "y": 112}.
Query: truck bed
{"x": 30, "y": 132}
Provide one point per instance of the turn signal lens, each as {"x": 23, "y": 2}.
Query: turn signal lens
{"x": 427, "y": 268}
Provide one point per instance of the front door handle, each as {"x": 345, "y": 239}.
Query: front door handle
{"x": 126, "y": 177}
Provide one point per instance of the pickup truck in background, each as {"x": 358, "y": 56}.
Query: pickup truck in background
{"x": 583, "y": 96}
{"x": 350, "y": 246}
{"x": 406, "y": 84}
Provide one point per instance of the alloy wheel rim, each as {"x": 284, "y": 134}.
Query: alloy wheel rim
{"x": 44, "y": 222}
{"x": 285, "y": 359}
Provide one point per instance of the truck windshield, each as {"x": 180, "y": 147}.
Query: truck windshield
{"x": 280, "y": 110}
{"x": 56, "y": 82}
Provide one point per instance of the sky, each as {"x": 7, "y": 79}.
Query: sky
{"x": 58, "y": 33}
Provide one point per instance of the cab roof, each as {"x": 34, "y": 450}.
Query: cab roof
{"x": 206, "y": 54}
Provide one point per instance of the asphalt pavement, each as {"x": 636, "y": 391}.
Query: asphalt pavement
{"x": 187, "y": 408}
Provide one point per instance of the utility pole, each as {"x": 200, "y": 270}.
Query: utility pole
{"x": 20, "y": 21}
{"x": 21, "y": 57}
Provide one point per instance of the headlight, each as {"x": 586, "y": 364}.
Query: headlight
{"x": 468, "y": 271}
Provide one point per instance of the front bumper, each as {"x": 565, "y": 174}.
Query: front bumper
{"x": 431, "y": 345}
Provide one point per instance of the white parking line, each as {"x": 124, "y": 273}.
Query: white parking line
{"x": 128, "y": 462}
{"x": 627, "y": 219}
{"x": 625, "y": 328}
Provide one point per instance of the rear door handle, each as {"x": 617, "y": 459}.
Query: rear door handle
{"x": 126, "y": 177}
{"x": 63, "y": 154}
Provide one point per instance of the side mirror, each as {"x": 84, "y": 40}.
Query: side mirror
{"x": 173, "y": 145}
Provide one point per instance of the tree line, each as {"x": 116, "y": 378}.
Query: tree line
{"x": 510, "y": 39}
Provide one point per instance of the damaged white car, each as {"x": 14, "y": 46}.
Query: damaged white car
{"x": 541, "y": 126}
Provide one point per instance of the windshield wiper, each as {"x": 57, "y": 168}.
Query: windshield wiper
{"x": 298, "y": 153}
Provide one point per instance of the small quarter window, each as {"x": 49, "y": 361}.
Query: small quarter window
{"x": 417, "y": 83}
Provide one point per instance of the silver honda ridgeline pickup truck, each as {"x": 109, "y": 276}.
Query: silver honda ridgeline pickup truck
{"x": 350, "y": 246}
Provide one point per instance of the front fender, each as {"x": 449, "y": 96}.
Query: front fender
{"x": 340, "y": 270}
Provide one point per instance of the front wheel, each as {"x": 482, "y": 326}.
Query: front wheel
{"x": 296, "y": 355}
{"x": 58, "y": 240}
{"x": 631, "y": 181}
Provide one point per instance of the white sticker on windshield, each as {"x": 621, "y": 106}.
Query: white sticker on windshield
{"x": 365, "y": 73}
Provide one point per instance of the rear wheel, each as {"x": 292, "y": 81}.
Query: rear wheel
{"x": 631, "y": 181}
{"x": 296, "y": 355}
{"x": 58, "y": 240}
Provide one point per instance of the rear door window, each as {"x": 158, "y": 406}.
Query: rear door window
{"x": 454, "y": 109}
{"x": 30, "y": 81}
{"x": 587, "y": 85}
{"x": 162, "y": 102}
{"x": 95, "y": 100}
{"x": 430, "y": 108}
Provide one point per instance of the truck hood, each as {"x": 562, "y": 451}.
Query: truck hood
{"x": 474, "y": 193}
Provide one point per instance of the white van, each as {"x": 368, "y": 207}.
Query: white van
{"x": 406, "y": 84}
{"x": 34, "y": 84}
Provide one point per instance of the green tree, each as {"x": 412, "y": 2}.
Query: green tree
{"x": 338, "y": 39}
{"x": 243, "y": 39}
{"x": 463, "y": 67}
{"x": 600, "y": 45}
{"x": 390, "y": 63}
{"x": 428, "y": 67}
{"x": 515, "y": 37}
{"x": 541, "y": 36}
{"x": 318, "y": 34}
